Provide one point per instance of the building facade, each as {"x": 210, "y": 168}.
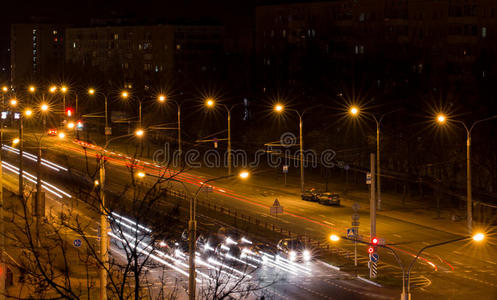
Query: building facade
{"x": 142, "y": 53}
{"x": 36, "y": 53}
{"x": 454, "y": 39}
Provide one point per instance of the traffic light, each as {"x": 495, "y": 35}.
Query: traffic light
{"x": 69, "y": 112}
{"x": 370, "y": 250}
{"x": 375, "y": 241}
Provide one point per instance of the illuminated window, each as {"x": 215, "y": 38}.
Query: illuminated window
{"x": 178, "y": 47}
{"x": 116, "y": 36}
{"x": 484, "y": 32}
{"x": 54, "y": 32}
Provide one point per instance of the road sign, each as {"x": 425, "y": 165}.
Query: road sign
{"x": 276, "y": 208}
{"x": 356, "y": 206}
{"x": 373, "y": 269}
{"x": 207, "y": 188}
{"x": 77, "y": 243}
{"x": 355, "y": 223}
{"x": 352, "y": 232}
{"x": 368, "y": 178}
{"x": 355, "y": 217}
{"x": 17, "y": 115}
{"x": 285, "y": 168}
{"x": 375, "y": 257}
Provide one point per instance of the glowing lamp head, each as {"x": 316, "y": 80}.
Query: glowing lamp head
{"x": 91, "y": 91}
{"x": 96, "y": 182}
{"x": 70, "y": 125}
{"x": 31, "y": 89}
{"x": 139, "y": 132}
{"x": 44, "y": 107}
{"x": 63, "y": 89}
{"x": 62, "y": 135}
{"x": 244, "y": 175}
{"x": 354, "y": 110}
{"x": 124, "y": 94}
{"x": 441, "y": 118}
{"x": 140, "y": 174}
{"x": 279, "y": 107}
{"x": 334, "y": 238}
{"x": 16, "y": 141}
{"x": 209, "y": 102}
{"x": 5, "y": 89}
{"x": 161, "y": 98}
{"x": 478, "y": 237}
{"x": 13, "y": 102}
{"x": 28, "y": 112}
{"x": 52, "y": 89}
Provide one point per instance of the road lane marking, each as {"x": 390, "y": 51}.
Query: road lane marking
{"x": 329, "y": 223}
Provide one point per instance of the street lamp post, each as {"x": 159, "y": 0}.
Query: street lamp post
{"x": 163, "y": 98}
{"x": 104, "y": 242}
{"x": 280, "y": 108}
{"x": 355, "y": 111}
{"x": 211, "y": 103}
{"x": 442, "y": 119}
{"x": 192, "y": 233}
{"x": 406, "y": 293}
{"x": 2, "y": 225}
{"x": 107, "y": 130}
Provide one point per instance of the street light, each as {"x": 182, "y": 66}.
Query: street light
{"x": 107, "y": 130}
{"x": 355, "y": 111}
{"x": 125, "y": 95}
{"x": 334, "y": 238}
{"x": 32, "y": 89}
{"x": 13, "y": 102}
{"x": 210, "y": 103}
{"x": 478, "y": 237}
{"x": 5, "y": 89}
{"x": 62, "y": 135}
{"x": 163, "y": 98}
{"x": 104, "y": 267}
{"x": 442, "y": 119}
{"x": 52, "y": 89}
{"x": 192, "y": 230}
{"x": 44, "y": 107}
{"x": 279, "y": 108}
{"x": 139, "y": 132}
{"x": 28, "y": 112}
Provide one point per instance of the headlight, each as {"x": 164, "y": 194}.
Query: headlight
{"x": 307, "y": 255}
{"x": 292, "y": 255}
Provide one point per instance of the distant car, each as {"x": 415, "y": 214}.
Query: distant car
{"x": 294, "y": 250}
{"x": 52, "y": 131}
{"x": 310, "y": 195}
{"x": 329, "y": 199}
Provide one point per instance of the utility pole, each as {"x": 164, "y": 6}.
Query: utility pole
{"x": 372, "y": 210}
{"x": 301, "y": 143}
{"x": 229, "y": 142}
{"x": 3, "y": 270}
{"x": 104, "y": 255}
{"x": 21, "y": 141}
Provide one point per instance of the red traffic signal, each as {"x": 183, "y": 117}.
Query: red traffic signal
{"x": 370, "y": 250}
{"x": 69, "y": 112}
{"x": 375, "y": 241}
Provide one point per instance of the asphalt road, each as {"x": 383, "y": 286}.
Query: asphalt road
{"x": 453, "y": 271}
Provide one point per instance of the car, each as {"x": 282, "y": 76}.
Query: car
{"x": 294, "y": 250}
{"x": 52, "y": 131}
{"x": 329, "y": 199}
{"x": 310, "y": 195}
